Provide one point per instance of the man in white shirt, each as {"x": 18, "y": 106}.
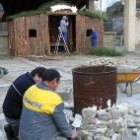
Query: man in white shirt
{"x": 63, "y": 26}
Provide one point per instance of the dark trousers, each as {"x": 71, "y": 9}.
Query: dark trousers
{"x": 14, "y": 124}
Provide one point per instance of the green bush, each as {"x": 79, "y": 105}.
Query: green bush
{"x": 104, "y": 51}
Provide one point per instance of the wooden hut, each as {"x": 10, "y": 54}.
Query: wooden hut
{"x": 37, "y": 35}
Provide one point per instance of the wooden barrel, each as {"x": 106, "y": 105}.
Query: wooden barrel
{"x": 94, "y": 85}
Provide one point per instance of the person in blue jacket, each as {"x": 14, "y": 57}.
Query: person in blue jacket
{"x": 43, "y": 117}
{"x": 12, "y": 105}
{"x": 94, "y": 38}
{"x": 63, "y": 26}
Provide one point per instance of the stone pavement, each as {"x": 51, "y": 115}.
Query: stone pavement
{"x": 64, "y": 64}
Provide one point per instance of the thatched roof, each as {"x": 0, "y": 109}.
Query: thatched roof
{"x": 12, "y": 7}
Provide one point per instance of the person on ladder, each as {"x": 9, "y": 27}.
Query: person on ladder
{"x": 63, "y": 26}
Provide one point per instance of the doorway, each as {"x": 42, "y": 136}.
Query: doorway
{"x": 54, "y": 23}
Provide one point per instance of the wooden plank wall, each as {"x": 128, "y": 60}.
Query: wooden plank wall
{"x": 82, "y": 24}
{"x": 23, "y": 43}
{"x": 11, "y": 39}
{"x": 99, "y": 27}
{"x": 80, "y": 34}
{"x": 46, "y": 34}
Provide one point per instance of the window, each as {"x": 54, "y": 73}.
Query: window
{"x": 32, "y": 33}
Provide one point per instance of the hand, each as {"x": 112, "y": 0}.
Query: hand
{"x": 74, "y": 135}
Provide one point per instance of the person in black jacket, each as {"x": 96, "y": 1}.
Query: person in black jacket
{"x": 12, "y": 106}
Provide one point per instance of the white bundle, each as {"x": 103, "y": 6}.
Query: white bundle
{"x": 115, "y": 113}
{"x": 99, "y": 137}
{"x": 89, "y": 138}
{"x": 77, "y": 121}
{"x": 89, "y": 113}
{"x": 110, "y": 133}
{"x": 103, "y": 115}
{"x": 119, "y": 121}
{"x": 137, "y": 120}
{"x": 116, "y": 125}
{"x": 69, "y": 115}
{"x": 123, "y": 108}
{"x": 135, "y": 131}
{"x": 84, "y": 134}
{"x": 86, "y": 126}
{"x": 100, "y": 130}
{"x": 137, "y": 113}
{"x": 116, "y": 137}
{"x": 109, "y": 61}
{"x": 99, "y": 122}
{"x": 90, "y": 63}
{"x": 131, "y": 125}
{"x": 138, "y": 135}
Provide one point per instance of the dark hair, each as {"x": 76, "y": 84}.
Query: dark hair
{"x": 39, "y": 71}
{"x": 51, "y": 74}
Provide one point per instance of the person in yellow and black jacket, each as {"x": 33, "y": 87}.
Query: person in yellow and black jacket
{"x": 42, "y": 116}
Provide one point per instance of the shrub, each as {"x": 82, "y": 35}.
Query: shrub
{"x": 104, "y": 51}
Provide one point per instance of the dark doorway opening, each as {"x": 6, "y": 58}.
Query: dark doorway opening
{"x": 54, "y": 23}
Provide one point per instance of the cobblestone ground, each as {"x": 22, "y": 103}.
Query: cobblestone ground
{"x": 65, "y": 64}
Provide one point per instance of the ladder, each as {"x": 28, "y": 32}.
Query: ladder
{"x": 60, "y": 36}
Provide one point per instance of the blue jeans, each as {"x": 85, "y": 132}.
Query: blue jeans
{"x": 65, "y": 36}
